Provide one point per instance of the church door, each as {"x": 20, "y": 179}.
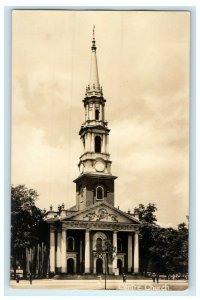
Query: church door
{"x": 70, "y": 266}
{"x": 99, "y": 266}
{"x": 119, "y": 265}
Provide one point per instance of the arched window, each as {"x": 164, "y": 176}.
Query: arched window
{"x": 99, "y": 193}
{"x": 97, "y": 144}
{"x": 96, "y": 114}
{"x": 98, "y": 237}
{"x": 70, "y": 243}
{"x": 119, "y": 245}
{"x": 99, "y": 244}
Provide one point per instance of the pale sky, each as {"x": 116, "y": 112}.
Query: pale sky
{"x": 143, "y": 63}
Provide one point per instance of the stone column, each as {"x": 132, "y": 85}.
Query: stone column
{"x": 93, "y": 111}
{"x": 94, "y": 266}
{"x": 104, "y": 143}
{"x": 88, "y": 113}
{"x": 92, "y": 142}
{"x": 87, "y": 251}
{"x": 130, "y": 252}
{"x": 64, "y": 251}
{"x": 75, "y": 266}
{"x": 107, "y": 143}
{"x": 52, "y": 249}
{"x": 115, "y": 246}
{"x": 86, "y": 143}
{"x": 102, "y": 113}
{"x": 82, "y": 143}
{"x": 81, "y": 256}
{"x": 136, "y": 252}
{"x": 58, "y": 253}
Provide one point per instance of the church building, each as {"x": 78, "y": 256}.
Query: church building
{"x": 74, "y": 233}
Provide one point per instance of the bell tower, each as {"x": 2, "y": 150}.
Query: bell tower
{"x": 95, "y": 182}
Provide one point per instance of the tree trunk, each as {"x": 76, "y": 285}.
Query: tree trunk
{"x": 14, "y": 264}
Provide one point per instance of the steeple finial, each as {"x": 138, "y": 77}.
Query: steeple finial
{"x": 93, "y": 40}
{"x": 93, "y": 32}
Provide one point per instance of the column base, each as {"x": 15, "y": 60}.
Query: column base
{"x": 87, "y": 271}
{"x": 136, "y": 271}
{"x": 130, "y": 270}
{"x": 58, "y": 270}
{"x": 63, "y": 270}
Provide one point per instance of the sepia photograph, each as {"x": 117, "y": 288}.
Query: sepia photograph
{"x": 100, "y": 150}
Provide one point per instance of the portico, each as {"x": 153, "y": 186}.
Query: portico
{"x": 73, "y": 243}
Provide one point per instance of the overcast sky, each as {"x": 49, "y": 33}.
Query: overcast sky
{"x": 143, "y": 62}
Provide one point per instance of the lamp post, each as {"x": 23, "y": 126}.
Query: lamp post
{"x": 104, "y": 251}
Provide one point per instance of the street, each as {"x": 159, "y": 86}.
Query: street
{"x": 132, "y": 285}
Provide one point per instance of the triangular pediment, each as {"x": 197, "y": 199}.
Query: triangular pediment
{"x": 103, "y": 212}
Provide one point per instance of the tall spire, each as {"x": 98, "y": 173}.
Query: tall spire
{"x": 94, "y": 77}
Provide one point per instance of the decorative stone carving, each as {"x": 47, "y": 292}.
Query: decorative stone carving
{"x": 102, "y": 214}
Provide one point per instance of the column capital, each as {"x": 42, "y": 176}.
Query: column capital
{"x": 52, "y": 228}
{"x": 64, "y": 227}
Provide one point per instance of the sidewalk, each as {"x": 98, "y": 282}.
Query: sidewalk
{"x": 135, "y": 285}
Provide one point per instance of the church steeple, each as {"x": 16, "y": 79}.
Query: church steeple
{"x": 94, "y": 76}
{"x": 95, "y": 182}
{"x": 93, "y": 86}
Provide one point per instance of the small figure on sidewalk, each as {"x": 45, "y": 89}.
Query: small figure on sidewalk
{"x": 17, "y": 278}
{"x": 30, "y": 278}
{"x": 154, "y": 277}
{"x": 157, "y": 277}
{"x": 124, "y": 277}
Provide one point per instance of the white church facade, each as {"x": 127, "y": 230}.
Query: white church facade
{"x": 75, "y": 232}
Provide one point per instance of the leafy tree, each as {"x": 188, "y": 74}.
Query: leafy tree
{"x": 169, "y": 252}
{"x": 25, "y": 217}
{"x": 183, "y": 236}
{"x": 147, "y": 214}
{"x": 147, "y": 232}
{"x": 161, "y": 249}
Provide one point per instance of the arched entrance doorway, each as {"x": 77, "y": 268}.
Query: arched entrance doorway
{"x": 70, "y": 266}
{"x": 119, "y": 265}
{"x": 99, "y": 266}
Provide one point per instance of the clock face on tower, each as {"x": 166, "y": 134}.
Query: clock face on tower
{"x": 99, "y": 165}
